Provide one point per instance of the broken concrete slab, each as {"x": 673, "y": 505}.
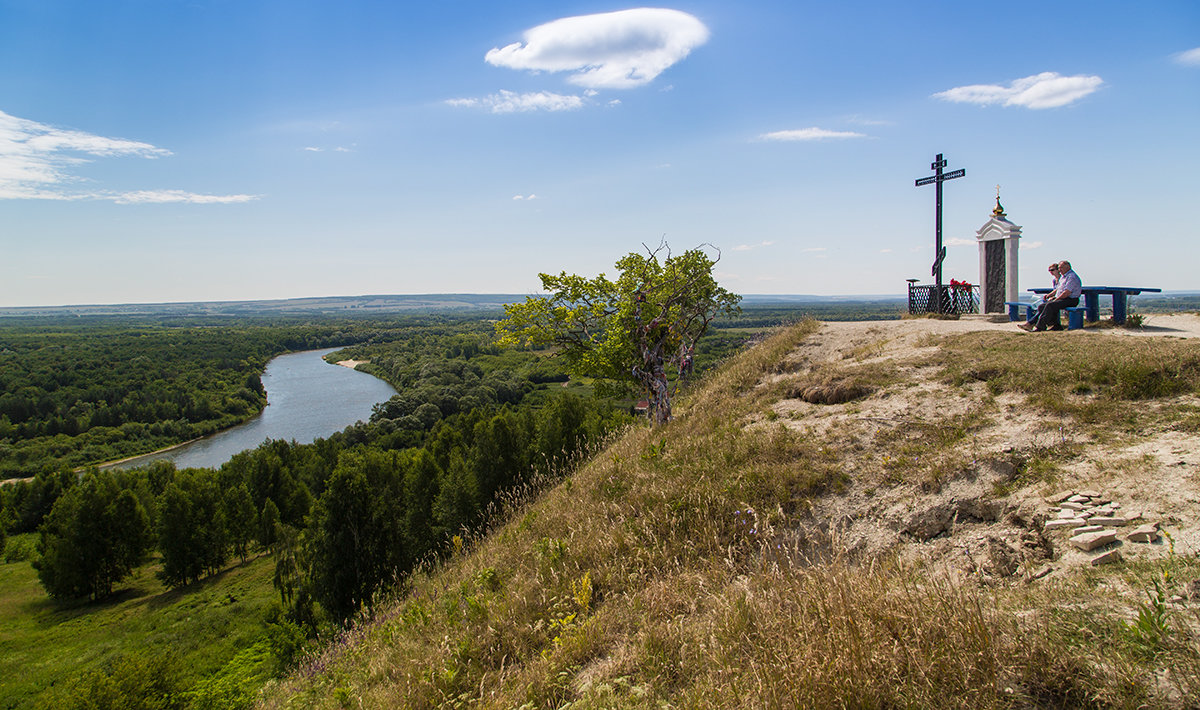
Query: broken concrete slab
{"x": 1092, "y": 540}
{"x": 1063, "y": 524}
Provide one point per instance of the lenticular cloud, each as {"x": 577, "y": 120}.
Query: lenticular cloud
{"x": 613, "y": 50}
{"x": 1045, "y": 90}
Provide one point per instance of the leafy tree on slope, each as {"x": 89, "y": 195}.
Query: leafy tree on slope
{"x": 640, "y": 329}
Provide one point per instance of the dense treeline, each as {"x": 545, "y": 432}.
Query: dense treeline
{"x": 346, "y": 515}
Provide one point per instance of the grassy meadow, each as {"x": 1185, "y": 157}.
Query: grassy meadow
{"x": 180, "y": 636}
{"x": 683, "y": 566}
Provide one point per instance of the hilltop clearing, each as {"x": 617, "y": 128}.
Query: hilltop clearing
{"x": 848, "y": 514}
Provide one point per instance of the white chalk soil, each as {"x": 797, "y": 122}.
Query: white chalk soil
{"x": 981, "y": 523}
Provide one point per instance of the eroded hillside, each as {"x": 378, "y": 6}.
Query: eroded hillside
{"x": 848, "y": 514}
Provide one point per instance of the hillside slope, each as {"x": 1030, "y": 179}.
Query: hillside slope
{"x": 847, "y": 514}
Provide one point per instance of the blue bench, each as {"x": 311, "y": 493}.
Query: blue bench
{"x": 1074, "y": 315}
{"x": 1014, "y": 310}
{"x": 1091, "y": 299}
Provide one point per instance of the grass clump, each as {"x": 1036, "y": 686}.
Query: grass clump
{"x": 1097, "y": 380}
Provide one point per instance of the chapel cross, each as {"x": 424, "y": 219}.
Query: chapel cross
{"x": 939, "y": 251}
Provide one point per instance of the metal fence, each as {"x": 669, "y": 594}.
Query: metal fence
{"x": 954, "y": 299}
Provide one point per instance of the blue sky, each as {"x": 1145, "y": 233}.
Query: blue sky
{"x": 155, "y": 150}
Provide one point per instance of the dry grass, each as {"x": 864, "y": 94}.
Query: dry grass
{"x": 682, "y": 567}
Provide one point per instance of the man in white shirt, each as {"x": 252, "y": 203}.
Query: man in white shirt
{"x": 1070, "y": 288}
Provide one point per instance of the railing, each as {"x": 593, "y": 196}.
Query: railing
{"x": 954, "y": 300}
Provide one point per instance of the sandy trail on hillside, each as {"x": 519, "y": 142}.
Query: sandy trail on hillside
{"x": 1156, "y": 473}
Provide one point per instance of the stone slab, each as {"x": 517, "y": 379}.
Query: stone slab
{"x": 1091, "y": 493}
{"x": 1107, "y": 558}
{"x": 1063, "y": 524}
{"x": 1059, "y": 497}
{"x": 1143, "y": 533}
{"x": 1071, "y": 506}
{"x": 1078, "y": 499}
{"x": 1090, "y": 541}
{"x": 1110, "y": 521}
{"x": 1088, "y": 529}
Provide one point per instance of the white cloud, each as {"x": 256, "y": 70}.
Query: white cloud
{"x": 524, "y": 197}
{"x": 1189, "y": 58}
{"x": 36, "y": 162}
{"x": 174, "y": 196}
{"x": 809, "y": 134}
{"x": 35, "y": 159}
{"x": 612, "y": 50}
{"x": 885, "y": 251}
{"x": 314, "y": 150}
{"x": 1031, "y": 245}
{"x": 1045, "y": 90}
{"x": 512, "y": 102}
{"x": 748, "y": 247}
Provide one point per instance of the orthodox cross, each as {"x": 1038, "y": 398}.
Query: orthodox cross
{"x": 939, "y": 251}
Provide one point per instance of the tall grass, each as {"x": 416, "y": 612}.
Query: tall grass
{"x": 682, "y": 567}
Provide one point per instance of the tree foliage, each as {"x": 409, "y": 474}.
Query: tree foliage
{"x": 641, "y": 328}
{"x": 193, "y": 533}
{"x": 95, "y": 535}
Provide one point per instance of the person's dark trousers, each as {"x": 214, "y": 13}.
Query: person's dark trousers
{"x": 1049, "y": 320}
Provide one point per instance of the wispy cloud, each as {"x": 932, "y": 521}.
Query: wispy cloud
{"x": 1045, "y": 90}
{"x": 1031, "y": 245}
{"x": 37, "y": 162}
{"x": 814, "y": 250}
{"x": 525, "y": 197}
{"x": 863, "y": 121}
{"x": 961, "y": 242}
{"x": 1189, "y": 58}
{"x": 612, "y": 50}
{"x": 512, "y": 102}
{"x": 748, "y": 247}
{"x": 809, "y": 134}
{"x": 160, "y": 197}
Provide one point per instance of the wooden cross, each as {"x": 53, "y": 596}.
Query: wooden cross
{"x": 939, "y": 251}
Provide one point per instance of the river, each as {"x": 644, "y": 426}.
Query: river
{"x": 307, "y": 399}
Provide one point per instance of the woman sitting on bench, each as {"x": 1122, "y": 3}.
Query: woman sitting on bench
{"x": 1036, "y": 310}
